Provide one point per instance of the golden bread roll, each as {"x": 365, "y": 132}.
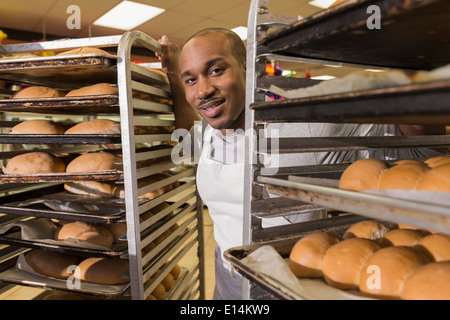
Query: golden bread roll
{"x": 343, "y": 261}
{"x": 104, "y": 270}
{"x": 95, "y": 161}
{"x": 159, "y": 292}
{"x": 91, "y": 188}
{"x": 38, "y": 92}
{"x": 96, "y": 126}
{"x": 87, "y": 232}
{"x": 82, "y": 50}
{"x": 362, "y": 175}
{"x": 167, "y": 282}
{"x": 428, "y": 282}
{"x": 437, "y": 244}
{"x": 436, "y": 179}
{"x": 38, "y": 126}
{"x": 51, "y": 264}
{"x": 93, "y": 90}
{"x": 437, "y": 161}
{"x": 305, "y": 259}
{"x": 410, "y": 161}
{"x": 367, "y": 229}
{"x": 384, "y": 272}
{"x": 35, "y": 162}
{"x": 401, "y": 237}
{"x": 176, "y": 271}
{"x": 405, "y": 176}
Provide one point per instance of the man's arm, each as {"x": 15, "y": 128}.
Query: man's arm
{"x": 185, "y": 115}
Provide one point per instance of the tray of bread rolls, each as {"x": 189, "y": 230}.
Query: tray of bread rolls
{"x": 409, "y": 191}
{"x": 350, "y": 260}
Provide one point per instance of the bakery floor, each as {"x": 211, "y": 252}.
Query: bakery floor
{"x": 28, "y": 293}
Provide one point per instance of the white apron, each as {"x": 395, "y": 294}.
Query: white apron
{"x": 221, "y": 188}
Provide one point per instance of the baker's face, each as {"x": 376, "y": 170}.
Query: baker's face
{"x": 214, "y": 81}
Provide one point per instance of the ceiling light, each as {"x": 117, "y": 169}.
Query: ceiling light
{"x": 323, "y": 78}
{"x": 323, "y": 4}
{"x": 241, "y": 32}
{"x": 127, "y": 15}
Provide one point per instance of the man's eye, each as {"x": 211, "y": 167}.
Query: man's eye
{"x": 216, "y": 71}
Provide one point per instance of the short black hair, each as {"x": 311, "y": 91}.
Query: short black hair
{"x": 238, "y": 49}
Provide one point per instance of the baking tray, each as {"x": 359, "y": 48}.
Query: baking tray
{"x": 106, "y": 175}
{"x": 414, "y": 34}
{"x": 115, "y": 213}
{"x": 425, "y": 103}
{"x": 60, "y": 139}
{"x": 335, "y": 225}
{"x": 391, "y": 206}
{"x": 61, "y": 72}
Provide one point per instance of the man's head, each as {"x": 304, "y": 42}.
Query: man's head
{"x": 212, "y": 64}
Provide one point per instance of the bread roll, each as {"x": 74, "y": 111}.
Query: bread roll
{"x": 342, "y": 263}
{"x": 437, "y": 161}
{"x": 401, "y": 237}
{"x": 405, "y": 176}
{"x": 38, "y": 92}
{"x": 436, "y": 179}
{"x": 97, "y": 126}
{"x": 167, "y": 282}
{"x": 104, "y": 270}
{"x": 437, "y": 244}
{"x": 305, "y": 259}
{"x": 367, "y": 229}
{"x": 35, "y": 162}
{"x": 93, "y": 90}
{"x": 95, "y": 161}
{"x": 87, "y": 232}
{"x": 176, "y": 271}
{"x": 51, "y": 264}
{"x": 159, "y": 292}
{"x": 117, "y": 230}
{"x": 362, "y": 175}
{"x": 38, "y": 126}
{"x": 410, "y": 161}
{"x": 385, "y": 271}
{"x": 428, "y": 282}
{"x": 91, "y": 188}
{"x": 82, "y": 50}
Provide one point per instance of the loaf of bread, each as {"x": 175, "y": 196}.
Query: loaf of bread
{"x": 88, "y": 232}
{"x": 51, "y": 264}
{"x": 95, "y": 161}
{"x": 110, "y": 271}
{"x": 343, "y": 262}
{"x": 96, "y": 126}
{"x": 91, "y": 188}
{"x": 362, "y": 175}
{"x": 305, "y": 259}
{"x": 36, "y": 92}
{"x": 82, "y": 50}
{"x": 95, "y": 89}
{"x": 35, "y": 162}
{"x": 38, "y": 126}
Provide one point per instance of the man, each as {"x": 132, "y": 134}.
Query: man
{"x": 207, "y": 81}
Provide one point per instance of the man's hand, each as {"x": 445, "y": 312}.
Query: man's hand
{"x": 169, "y": 57}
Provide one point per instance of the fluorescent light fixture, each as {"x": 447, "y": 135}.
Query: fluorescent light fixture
{"x": 241, "y": 32}
{"x": 374, "y": 70}
{"x": 127, "y": 15}
{"x": 323, "y": 77}
{"x": 323, "y": 4}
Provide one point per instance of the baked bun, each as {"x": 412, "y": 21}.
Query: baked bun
{"x": 159, "y": 292}
{"x": 91, "y": 188}
{"x": 401, "y": 237}
{"x": 436, "y": 179}
{"x": 367, "y": 229}
{"x": 428, "y": 282}
{"x": 409, "y": 161}
{"x": 305, "y": 259}
{"x": 38, "y": 92}
{"x": 38, "y": 126}
{"x": 168, "y": 281}
{"x": 117, "y": 230}
{"x": 87, "y": 232}
{"x": 35, "y": 162}
{"x": 95, "y": 161}
{"x": 343, "y": 261}
{"x": 104, "y": 270}
{"x": 362, "y": 175}
{"x": 93, "y": 90}
{"x": 437, "y": 244}
{"x": 437, "y": 161}
{"x": 384, "y": 272}
{"x": 82, "y": 50}
{"x": 51, "y": 264}
{"x": 176, "y": 271}
{"x": 405, "y": 176}
{"x": 97, "y": 126}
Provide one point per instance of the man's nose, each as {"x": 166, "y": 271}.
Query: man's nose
{"x": 205, "y": 88}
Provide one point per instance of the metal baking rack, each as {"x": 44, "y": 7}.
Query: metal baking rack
{"x": 337, "y": 36}
{"x": 143, "y": 101}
